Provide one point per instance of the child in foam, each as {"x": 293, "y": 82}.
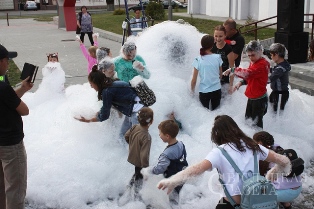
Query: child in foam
{"x": 106, "y": 65}
{"x": 129, "y": 64}
{"x": 114, "y": 93}
{"x": 279, "y": 78}
{"x": 256, "y": 77}
{"x": 222, "y": 48}
{"x": 287, "y": 187}
{"x": 53, "y": 75}
{"x": 226, "y": 134}
{"x": 173, "y": 159}
{"x": 90, "y": 55}
{"x": 140, "y": 141}
{"x": 103, "y": 52}
{"x": 208, "y": 67}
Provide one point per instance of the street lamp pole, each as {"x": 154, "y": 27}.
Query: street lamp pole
{"x": 169, "y": 10}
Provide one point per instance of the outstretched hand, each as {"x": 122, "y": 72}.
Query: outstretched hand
{"x": 236, "y": 87}
{"x": 82, "y": 119}
{"x": 227, "y": 72}
{"x": 95, "y": 36}
{"x": 164, "y": 184}
{"x": 78, "y": 39}
{"x": 146, "y": 172}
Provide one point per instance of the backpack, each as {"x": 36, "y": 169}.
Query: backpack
{"x": 176, "y": 165}
{"x": 256, "y": 192}
{"x": 146, "y": 95}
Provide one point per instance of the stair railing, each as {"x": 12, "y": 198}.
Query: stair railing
{"x": 255, "y": 29}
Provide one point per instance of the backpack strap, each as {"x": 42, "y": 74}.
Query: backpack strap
{"x": 236, "y": 168}
{"x": 256, "y": 164}
{"x": 230, "y": 199}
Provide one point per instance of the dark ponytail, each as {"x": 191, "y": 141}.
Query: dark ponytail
{"x": 207, "y": 42}
{"x": 101, "y": 81}
{"x": 202, "y": 51}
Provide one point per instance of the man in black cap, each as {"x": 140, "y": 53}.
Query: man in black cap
{"x": 13, "y": 166}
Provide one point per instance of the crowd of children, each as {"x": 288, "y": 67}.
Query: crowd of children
{"x": 216, "y": 65}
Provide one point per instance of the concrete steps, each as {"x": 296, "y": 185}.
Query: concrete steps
{"x": 302, "y": 77}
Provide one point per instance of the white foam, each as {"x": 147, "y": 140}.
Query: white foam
{"x": 80, "y": 165}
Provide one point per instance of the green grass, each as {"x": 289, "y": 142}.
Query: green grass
{"x": 109, "y": 22}
{"x": 13, "y": 73}
{"x": 113, "y": 24}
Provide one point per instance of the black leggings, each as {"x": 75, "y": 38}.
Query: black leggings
{"x": 274, "y": 98}
{"x": 90, "y": 36}
{"x": 256, "y": 109}
{"x": 213, "y": 97}
{"x": 137, "y": 173}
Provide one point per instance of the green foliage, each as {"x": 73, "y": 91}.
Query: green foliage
{"x": 119, "y": 12}
{"x": 13, "y": 74}
{"x": 155, "y": 10}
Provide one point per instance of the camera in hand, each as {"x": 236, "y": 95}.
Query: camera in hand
{"x": 29, "y": 70}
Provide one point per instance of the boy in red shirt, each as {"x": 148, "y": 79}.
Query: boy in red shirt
{"x": 255, "y": 76}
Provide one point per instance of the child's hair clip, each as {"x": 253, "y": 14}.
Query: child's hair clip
{"x": 52, "y": 54}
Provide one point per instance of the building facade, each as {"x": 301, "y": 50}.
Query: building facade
{"x": 242, "y": 9}
{"x": 52, "y": 4}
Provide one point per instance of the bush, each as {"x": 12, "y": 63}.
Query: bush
{"x": 155, "y": 10}
{"x": 119, "y": 12}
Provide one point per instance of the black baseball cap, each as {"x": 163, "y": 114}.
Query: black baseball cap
{"x": 4, "y": 53}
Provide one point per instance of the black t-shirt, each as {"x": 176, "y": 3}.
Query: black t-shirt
{"x": 238, "y": 47}
{"x": 11, "y": 124}
{"x": 224, "y": 56}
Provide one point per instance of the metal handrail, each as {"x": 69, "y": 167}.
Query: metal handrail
{"x": 255, "y": 29}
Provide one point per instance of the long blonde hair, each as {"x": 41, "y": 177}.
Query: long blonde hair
{"x": 92, "y": 51}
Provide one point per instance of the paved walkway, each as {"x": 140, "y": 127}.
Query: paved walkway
{"x": 33, "y": 40}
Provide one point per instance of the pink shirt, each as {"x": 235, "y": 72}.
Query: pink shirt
{"x": 91, "y": 60}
